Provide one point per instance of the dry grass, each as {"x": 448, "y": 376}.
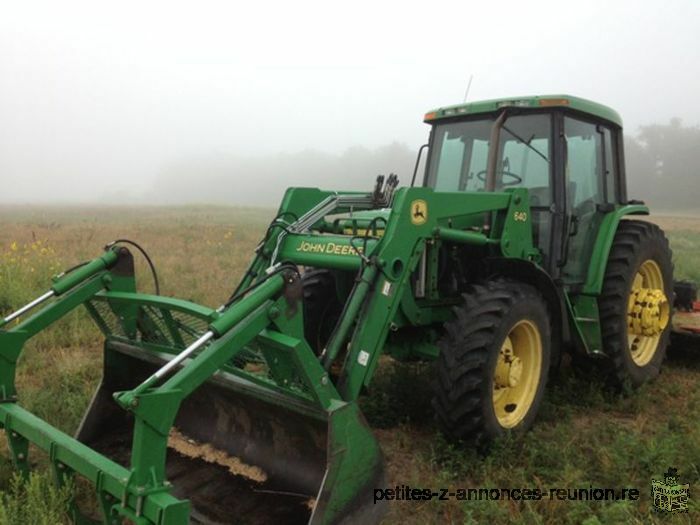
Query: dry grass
{"x": 675, "y": 223}
{"x": 584, "y": 435}
{"x": 205, "y": 451}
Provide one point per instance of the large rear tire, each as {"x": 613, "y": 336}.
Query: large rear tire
{"x": 493, "y": 363}
{"x": 635, "y": 306}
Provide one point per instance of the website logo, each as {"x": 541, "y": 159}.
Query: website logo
{"x": 669, "y": 495}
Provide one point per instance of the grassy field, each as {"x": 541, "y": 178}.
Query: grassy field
{"x": 585, "y": 435}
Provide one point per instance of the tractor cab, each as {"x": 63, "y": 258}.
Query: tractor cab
{"x": 564, "y": 150}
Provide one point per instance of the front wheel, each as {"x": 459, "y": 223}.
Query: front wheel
{"x": 494, "y": 361}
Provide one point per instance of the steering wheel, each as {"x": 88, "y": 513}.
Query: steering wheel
{"x": 518, "y": 179}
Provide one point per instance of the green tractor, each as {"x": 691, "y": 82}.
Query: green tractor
{"x": 517, "y": 244}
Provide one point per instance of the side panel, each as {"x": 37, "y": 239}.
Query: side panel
{"x": 585, "y": 321}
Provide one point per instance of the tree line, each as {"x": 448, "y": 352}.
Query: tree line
{"x": 663, "y": 166}
{"x": 662, "y": 169}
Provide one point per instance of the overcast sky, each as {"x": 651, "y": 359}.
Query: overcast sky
{"x": 97, "y": 98}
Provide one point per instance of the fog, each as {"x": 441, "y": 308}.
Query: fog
{"x": 228, "y": 102}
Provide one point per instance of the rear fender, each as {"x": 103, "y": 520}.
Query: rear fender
{"x": 603, "y": 245}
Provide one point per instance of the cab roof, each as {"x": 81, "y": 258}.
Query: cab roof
{"x": 541, "y": 102}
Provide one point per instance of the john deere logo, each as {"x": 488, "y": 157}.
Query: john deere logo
{"x": 669, "y": 495}
{"x": 419, "y": 212}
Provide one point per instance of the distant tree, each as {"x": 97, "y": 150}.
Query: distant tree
{"x": 639, "y": 166}
{"x": 663, "y": 165}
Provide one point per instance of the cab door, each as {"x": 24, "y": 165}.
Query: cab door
{"x": 525, "y": 161}
{"x": 589, "y": 191}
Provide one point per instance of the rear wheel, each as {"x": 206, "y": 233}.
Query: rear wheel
{"x": 493, "y": 363}
{"x": 634, "y": 305}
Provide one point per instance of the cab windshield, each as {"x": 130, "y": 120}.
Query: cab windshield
{"x": 460, "y": 150}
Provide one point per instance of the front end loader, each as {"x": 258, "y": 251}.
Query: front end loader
{"x": 515, "y": 246}
{"x": 229, "y": 415}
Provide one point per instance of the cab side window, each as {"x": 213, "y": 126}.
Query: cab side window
{"x": 591, "y": 168}
{"x": 584, "y": 175}
{"x": 589, "y": 186}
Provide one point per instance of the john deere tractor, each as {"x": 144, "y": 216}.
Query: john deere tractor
{"x": 517, "y": 243}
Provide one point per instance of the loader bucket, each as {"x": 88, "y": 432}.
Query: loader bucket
{"x": 244, "y": 454}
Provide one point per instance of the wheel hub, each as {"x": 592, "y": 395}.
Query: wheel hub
{"x": 647, "y": 312}
{"x": 516, "y": 370}
{"x": 517, "y": 373}
{"x": 509, "y": 368}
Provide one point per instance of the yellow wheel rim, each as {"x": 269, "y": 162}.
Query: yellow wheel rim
{"x": 517, "y": 374}
{"x": 648, "y": 312}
